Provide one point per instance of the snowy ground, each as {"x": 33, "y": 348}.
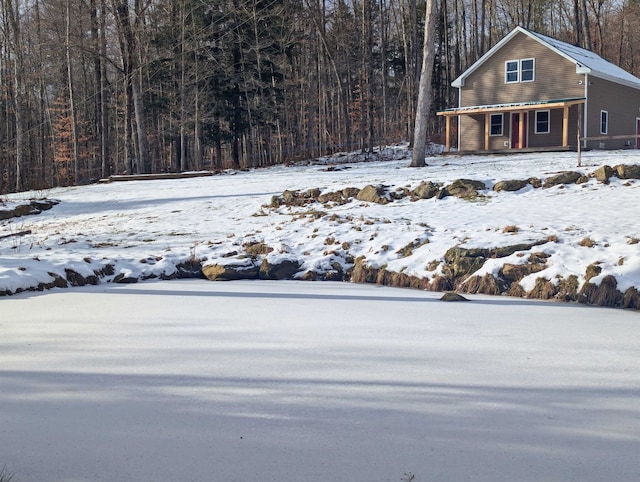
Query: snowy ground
{"x": 145, "y": 228}
{"x": 298, "y": 381}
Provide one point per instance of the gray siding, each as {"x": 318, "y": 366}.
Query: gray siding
{"x": 623, "y": 105}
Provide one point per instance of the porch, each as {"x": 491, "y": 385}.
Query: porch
{"x": 517, "y": 113}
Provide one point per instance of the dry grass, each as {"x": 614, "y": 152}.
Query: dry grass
{"x": 587, "y": 242}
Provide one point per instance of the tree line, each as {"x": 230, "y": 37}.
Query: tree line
{"x": 90, "y": 88}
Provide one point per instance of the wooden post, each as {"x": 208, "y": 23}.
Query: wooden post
{"x": 521, "y": 126}
{"x": 448, "y": 133}
{"x": 579, "y": 129}
{"x": 565, "y": 127}
{"x": 487, "y": 129}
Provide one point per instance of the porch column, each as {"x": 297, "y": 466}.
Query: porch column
{"x": 487, "y": 130}
{"x": 565, "y": 126}
{"x": 521, "y": 126}
{"x": 448, "y": 133}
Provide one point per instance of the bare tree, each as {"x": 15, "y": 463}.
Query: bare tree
{"x": 425, "y": 94}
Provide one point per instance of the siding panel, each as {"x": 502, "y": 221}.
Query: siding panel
{"x": 555, "y": 77}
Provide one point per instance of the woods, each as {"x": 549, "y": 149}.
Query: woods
{"x": 90, "y": 88}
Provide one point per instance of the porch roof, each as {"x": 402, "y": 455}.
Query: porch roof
{"x": 518, "y": 106}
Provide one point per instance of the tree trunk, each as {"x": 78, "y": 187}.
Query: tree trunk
{"x": 72, "y": 104}
{"x": 424, "y": 94}
{"x": 19, "y": 91}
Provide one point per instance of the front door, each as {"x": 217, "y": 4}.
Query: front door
{"x": 515, "y": 131}
{"x": 637, "y": 132}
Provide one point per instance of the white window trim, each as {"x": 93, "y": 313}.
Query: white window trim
{"x": 548, "y": 131}
{"x": 534, "y": 70}
{"x": 507, "y": 72}
{"x": 501, "y": 125}
{"x": 604, "y": 131}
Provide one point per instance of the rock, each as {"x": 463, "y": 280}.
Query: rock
{"x": 628, "y": 171}
{"x": 426, "y": 190}
{"x": 335, "y": 197}
{"x": 510, "y": 186}
{"x": 567, "y": 177}
{"x": 235, "y": 270}
{"x": 189, "y": 269}
{"x": 451, "y": 296}
{"x": 442, "y": 193}
{"x": 58, "y": 281}
{"x": 465, "y": 188}
{"x": 582, "y": 180}
{"x": 44, "y": 204}
{"x": 349, "y": 192}
{"x": 124, "y": 279}
{"x": 373, "y": 194}
{"x": 283, "y": 269}
{"x": 25, "y": 210}
{"x": 535, "y": 182}
{"x": 76, "y": 279}
{"x": 602, "y": 174}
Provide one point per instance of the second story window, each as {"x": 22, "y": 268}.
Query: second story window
{"x": 527, "y": 70}
{"x": 522, "y": 70}
{"x": 512, "y": 71}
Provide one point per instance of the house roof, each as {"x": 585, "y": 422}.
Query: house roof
{"x": 586, "y": 62}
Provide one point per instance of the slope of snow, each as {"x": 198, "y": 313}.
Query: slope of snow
{"x": 289, "y": 381}
{"x": 145, "y": 228}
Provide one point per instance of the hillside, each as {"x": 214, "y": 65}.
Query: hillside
{"x": 345, "y": 218}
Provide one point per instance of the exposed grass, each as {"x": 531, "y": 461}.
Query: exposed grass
{"x": 511, "y": 229}
{"x": 587, "y": 242}
{"x": 5, "y": 476}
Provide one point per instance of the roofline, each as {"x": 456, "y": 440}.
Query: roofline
{"x": 580, "y": 69}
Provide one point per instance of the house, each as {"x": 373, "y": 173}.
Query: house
{"x": 532, "y": 91}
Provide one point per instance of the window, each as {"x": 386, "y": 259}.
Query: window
{"x": 543, "y": 124}
{"x": 519, "y": 71}
{"x": 511, "y": 71}
{"x": 604, "y": 122}
{"x": 496, "y": 124}
{"x": 527, "y": 70}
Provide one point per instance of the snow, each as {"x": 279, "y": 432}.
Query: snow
{"x": 280, "y": 381}
{"x": 146, "y": 228}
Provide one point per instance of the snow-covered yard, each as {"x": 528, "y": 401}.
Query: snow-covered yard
{"x": 144, "y": 229}
{"x": 193, "y": 380}
{"x": 288, "y": 381}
